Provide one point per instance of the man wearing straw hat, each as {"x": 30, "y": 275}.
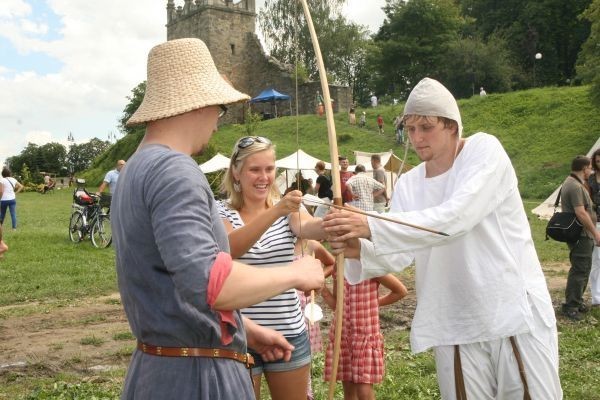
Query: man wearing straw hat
{"x": 482, "y": 301}
{"x": 178, "y": 284}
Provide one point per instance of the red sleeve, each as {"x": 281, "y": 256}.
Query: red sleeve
{"x": 218, "y": 274}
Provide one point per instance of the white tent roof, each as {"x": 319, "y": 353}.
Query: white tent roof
{"x": 364, "y": 158}
{"x": 546, "y": 208}
{"x": 217, "y": 163}
{"x": 299, "y": 160}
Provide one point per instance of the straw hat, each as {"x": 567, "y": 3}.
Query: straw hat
{"x": 431, "y": 98}
{"x": 182, "y": 77}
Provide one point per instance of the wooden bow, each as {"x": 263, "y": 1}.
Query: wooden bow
{"x": 337, "y": 193}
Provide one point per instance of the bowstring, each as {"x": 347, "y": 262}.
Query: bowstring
{"x": 303, "y": 242}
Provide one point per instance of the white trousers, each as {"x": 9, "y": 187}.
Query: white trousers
{"x": 595, "y": 274}
{"x": 491, "y": 371}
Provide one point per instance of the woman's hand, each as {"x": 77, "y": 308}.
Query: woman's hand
{"x": 289, "y": 203}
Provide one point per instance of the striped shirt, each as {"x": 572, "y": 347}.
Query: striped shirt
{"x": 274, "y": 248}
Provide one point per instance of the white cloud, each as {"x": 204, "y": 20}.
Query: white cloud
{"x": 100, "y": 51}
{"x": 38, "y": 137}
{"x": 28, "y": 26}
{"x": 14, "y": 8}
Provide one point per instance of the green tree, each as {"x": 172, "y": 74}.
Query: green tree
{"x": 25, "y": 175}
{"x": 549, "y": 27}
{"x": 286, "y": 34}
{"x": 137, "y": 95}
{"x": 413, "y": 42}
{"x": 588, "y": 63}
{"x": 54, "y": 157}
{"x": 471, "y": 63}
{"x": 347, "y": 43}
{"x": 81, "y": 156}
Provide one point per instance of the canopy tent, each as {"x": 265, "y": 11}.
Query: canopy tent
{"x": 389, "y": 161}
{"x": 546, "y": 208}
{"x": 217, "y": 163}
{"x": 298, "y": 160}
{"x": 271, "y": 96}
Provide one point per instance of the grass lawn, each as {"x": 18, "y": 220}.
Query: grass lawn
{"x": 46, "y": 278}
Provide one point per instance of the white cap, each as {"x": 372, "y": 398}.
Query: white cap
{"x": 430, "y": 98}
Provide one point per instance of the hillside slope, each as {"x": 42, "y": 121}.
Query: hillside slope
{"x": 541, "y": 129}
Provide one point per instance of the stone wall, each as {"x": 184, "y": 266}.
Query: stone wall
{"x": 228, "y": 31}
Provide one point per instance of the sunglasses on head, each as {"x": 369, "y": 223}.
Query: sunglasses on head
{"x": 250, "y": 140}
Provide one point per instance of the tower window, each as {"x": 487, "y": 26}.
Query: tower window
{"x": 232, "y": 49}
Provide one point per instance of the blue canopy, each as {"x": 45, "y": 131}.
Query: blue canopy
{"x": 268, "y": 95}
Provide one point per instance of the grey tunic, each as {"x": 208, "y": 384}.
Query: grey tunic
{"x": 167, "y": 234}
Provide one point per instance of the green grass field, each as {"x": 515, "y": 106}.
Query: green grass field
{"x": 43, "y": 271}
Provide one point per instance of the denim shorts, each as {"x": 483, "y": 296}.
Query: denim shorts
{"x": 300, "y": 357}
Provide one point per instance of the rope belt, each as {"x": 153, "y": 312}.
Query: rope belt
{"x": 459, "y": 380}
{"x": 244, "y": 358}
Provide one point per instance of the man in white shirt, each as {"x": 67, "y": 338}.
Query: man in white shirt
{"x": 482, "y": 301}
{"x": 111, "y": 178}
{"x": 373, "y": 101}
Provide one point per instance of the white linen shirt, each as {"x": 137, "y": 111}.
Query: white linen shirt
{"x": 473, "y": 285}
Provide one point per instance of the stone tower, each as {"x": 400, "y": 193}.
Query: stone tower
{"x": 228, "y": 29}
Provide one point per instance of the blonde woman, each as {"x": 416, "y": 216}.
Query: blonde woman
{"x": 262, "y": 231}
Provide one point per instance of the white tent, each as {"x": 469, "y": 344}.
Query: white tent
{"x": 299, "y": 160}
{"x": 217, "y": 163}
{"x": 546, "y": 209}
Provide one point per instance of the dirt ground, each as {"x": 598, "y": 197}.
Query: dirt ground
{"x": 92, "y": 334}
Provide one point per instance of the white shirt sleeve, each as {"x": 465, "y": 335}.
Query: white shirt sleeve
{"x": 482, "y": 177}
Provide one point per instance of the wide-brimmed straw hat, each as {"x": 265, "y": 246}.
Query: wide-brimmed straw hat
{"x": 430, "y": 98}
{"x": 182, "y": 77}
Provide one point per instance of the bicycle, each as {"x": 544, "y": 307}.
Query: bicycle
{"x": 90, "y": 215}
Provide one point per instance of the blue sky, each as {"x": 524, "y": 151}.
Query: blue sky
{"x": 69, "y": 65}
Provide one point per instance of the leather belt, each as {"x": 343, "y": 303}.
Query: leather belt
{"x": 244, "y": 358}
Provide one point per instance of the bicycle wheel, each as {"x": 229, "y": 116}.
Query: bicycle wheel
{"x": 76, "y": 227}
{"x": 102, "y": 232}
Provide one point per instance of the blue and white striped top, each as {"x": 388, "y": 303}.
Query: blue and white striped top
{"x": 274, "y": 248}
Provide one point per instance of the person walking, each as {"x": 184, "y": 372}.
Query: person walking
{"x": 9, "y": 189}
{"x": 576, "y": 199}
{"x": 380, "y": 123}
{"x": 352, "y": 115}
{"x": 179, "y": 287}
{"x": 363, "y": 120}
{"x": 399, "y": 128}
{"x": 482, "y": 301}
{"x": 594, "y": 185}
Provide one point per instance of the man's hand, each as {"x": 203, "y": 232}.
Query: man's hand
{"x": 309, "y": 273}
{"x": 270, "y": 344}
{"x": 343, "y": 225}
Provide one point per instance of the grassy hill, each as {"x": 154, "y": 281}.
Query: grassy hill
{"x": 541, "y": 129}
